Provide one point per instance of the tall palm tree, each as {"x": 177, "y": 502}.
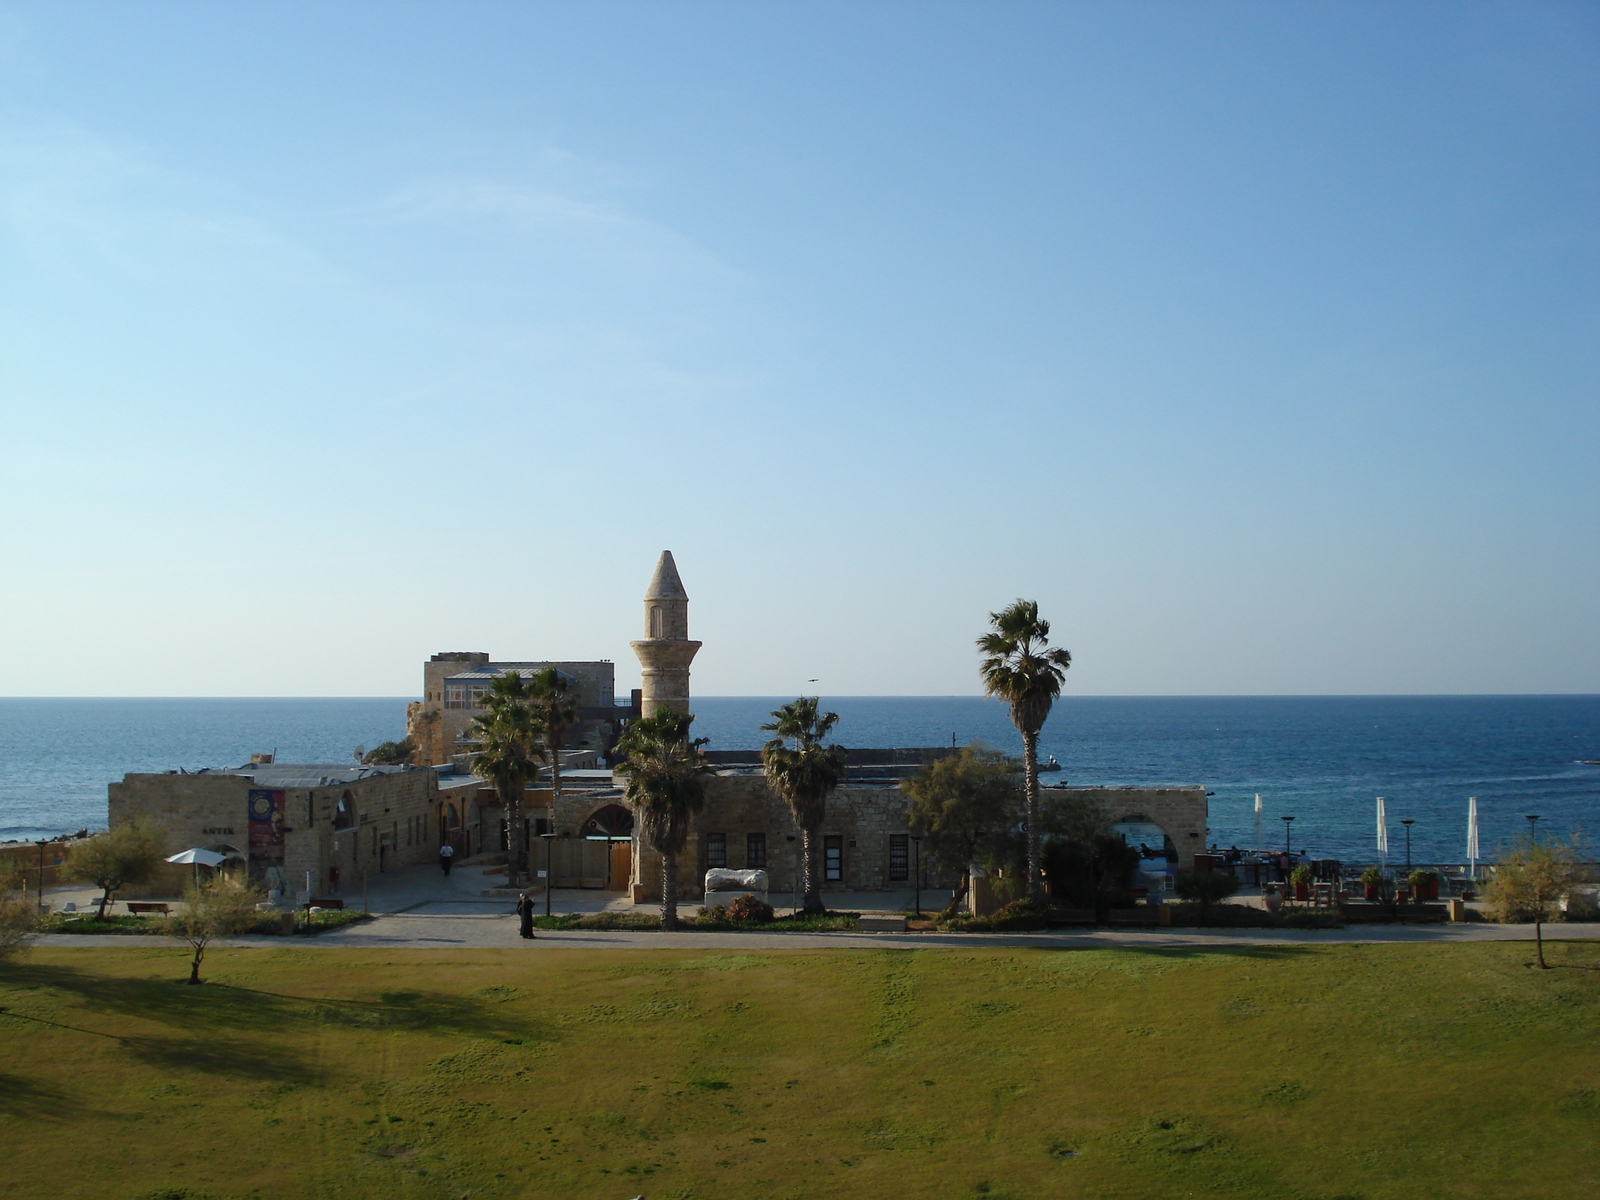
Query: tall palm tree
{"x": 510, "y": 751}
{"x": 665, "y": 790}
{"x": 1023, "y": 669}
{"x": 805, "y": 774}
{"x": 556, "y": 711}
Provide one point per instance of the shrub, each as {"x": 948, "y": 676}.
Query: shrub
{"x": 1016, "y": 917}
{"x": 1421, "y": 879}
{"x": 1372, "y": 876}
{"x": 751, "y": 908}
{"x": 1301, "y": 874}
{"x": 119, "y": 858}
{"x": 1205, "y": 888}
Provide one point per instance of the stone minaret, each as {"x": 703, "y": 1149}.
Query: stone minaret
{"x": 666, "y": 651}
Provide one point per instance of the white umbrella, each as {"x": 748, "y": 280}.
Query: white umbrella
{"x": 1258, "y": 821}
{"x": 200, "y": 858}
{"x": 206, "y": 858}
{"x": 1383, "y": 832}
{"x": 1472, "y": 834}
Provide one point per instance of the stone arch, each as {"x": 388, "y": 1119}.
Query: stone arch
{"x": 609, "y": 820}
{"x": 344, "y": 815}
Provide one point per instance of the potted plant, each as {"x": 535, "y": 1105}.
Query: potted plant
{"x": 1424, "y": 884}
{"x": 1301, "y": 878}
{"x": 1371, "y": 881}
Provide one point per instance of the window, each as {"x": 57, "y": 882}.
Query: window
{"x": 655, "y": 620}
{"x": 716, "y": 850}
{"x": 833, "y": 858}
{"x": 755, "y": 851}
{"x": 899, "y": 857}
{"x": 455, "y": 697}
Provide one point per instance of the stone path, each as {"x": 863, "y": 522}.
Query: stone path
{"x": 419, "y": 908}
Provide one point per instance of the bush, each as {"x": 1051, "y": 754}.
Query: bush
{"x": 1017, "y": 917}
{"x": 1245, "y": 916}
{"x": 1205, "y": 887}
{"x": 1301, "y": 874}
{"x": 751, "y": 908}
{"x": 1372, "y": 876}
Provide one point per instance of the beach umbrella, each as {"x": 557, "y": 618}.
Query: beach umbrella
{"x": 200, "y": 858}
{"x": 1472, "y": 834}
{"x": 1383, "y": 832}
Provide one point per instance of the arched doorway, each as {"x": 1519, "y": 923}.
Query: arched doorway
{"x": 1155, "y": 845}
{"x": 614, "y": 824}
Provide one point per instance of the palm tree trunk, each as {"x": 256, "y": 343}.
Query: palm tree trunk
{"x": 516, "y": 849}
{"x": 669, "y": 891}
{"x": 1030, "y": 763}
{"x": 812, "y": 902}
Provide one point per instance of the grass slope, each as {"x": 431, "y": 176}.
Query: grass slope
{"x": 1315, "y": 1072}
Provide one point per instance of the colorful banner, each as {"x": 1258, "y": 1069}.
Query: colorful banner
{"x": 266, "y": 826}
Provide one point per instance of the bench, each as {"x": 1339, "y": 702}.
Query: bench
{"x": 325, "y": 902}
{"x": 135, "y": 907}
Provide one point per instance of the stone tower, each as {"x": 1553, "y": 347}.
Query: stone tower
{"x": 666, "y": 651}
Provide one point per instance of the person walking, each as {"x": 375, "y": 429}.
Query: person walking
{"x": 447, "y": 853}
{"x": 525, "y": 913}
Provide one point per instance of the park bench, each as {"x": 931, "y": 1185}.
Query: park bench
{"x": 325, "y": 902}
{"x": 136, "y": 907}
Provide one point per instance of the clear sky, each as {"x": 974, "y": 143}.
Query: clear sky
{"x": 1256, "y": 341}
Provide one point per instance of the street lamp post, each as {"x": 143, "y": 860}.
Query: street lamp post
{"x": 548, "y": 838}
{"x": 1286, "y": 828}
{"x": 1408, "y": 822}
{"x": 1533, "y": 829}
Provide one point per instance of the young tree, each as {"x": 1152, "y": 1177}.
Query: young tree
{"x": 121, "y": 857}
{"x": 1529, "y": 882}
{"x": 664, "y": 787}
{"x": 17, "y": 921}
{"x": 556, "y": 712}
{"x": 1021, "y": 667}
{"x": 216, "y": 908}
{"x": 805, "y": 775}
{"x": 959, "y": 804}
{"x": 510, "y": 749}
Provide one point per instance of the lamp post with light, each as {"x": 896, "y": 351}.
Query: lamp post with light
{"x": 1408, "y": 822}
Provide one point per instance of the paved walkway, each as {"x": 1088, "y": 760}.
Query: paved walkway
{"x": 417, "y": 907}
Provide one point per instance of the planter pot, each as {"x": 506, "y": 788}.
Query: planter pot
{"x": 1370, "y": 892}
{"x": 1302, "y": 891}
{"x": 1429, "y": 890}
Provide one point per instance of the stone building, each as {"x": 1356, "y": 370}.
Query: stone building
{"x": 865, "y": 842}
{"x": 313, "y": 827}
{"x": 453, "y": 686}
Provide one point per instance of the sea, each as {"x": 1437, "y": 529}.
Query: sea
{"x": 1321, "y": 759}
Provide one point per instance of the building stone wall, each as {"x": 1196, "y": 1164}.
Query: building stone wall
{"x": 1180, "y": 811}
{"x": 390, "y": 820}
{"x": 436, "y": 729}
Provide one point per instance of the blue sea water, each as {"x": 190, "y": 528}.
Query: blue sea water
{"x": 1322, "y": 759}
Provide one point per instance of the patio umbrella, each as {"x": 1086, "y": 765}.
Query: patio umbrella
{"x": 200, "y": 858}
{"x": 1383, "y": 832}
{"x": 1258, "y": 821}
{"x": 1472, "y": 834}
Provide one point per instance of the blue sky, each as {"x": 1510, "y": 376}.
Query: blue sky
{"x": 1257, "y": 342}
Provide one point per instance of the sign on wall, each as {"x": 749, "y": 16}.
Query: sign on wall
{"x": 266, "y": 826}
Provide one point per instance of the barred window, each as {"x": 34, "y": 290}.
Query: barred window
{"x": 755, "y": 851}
{"x": 716, "y": 850}
{"x": 899, "y": 857}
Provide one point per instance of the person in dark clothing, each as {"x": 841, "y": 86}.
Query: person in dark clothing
{"x": 447, "y": 853}
{"x": 525, "y": 914}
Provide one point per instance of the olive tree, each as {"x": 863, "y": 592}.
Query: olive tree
{"x": 217, "y": 908}
{"x": 124, "y": 856}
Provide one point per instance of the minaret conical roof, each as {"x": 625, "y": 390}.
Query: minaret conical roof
{"x": 665, "y": 584}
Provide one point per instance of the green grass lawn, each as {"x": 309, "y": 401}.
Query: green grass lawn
{"x": 1281, "y": 1072}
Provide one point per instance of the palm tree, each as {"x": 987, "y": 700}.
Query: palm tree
{"x": 805, "y": 775}
{"x": 556, "y": 712}
{"x": 665, "y": 790}
{"x": 1023, "y": 669}
{"x": 510, "y": 751}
